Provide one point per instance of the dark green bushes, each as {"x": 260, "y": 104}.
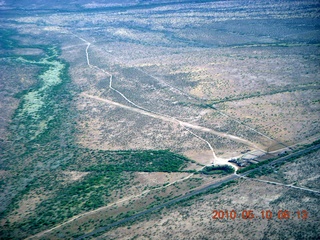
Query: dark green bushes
{"x": 144, "y": 161}
{"x": 224, "y": 169}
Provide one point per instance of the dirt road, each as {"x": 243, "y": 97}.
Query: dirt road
{"x": 174, "y": 120}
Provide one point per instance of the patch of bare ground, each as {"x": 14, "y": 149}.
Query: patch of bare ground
{"x": 27, "y": 206}
{"x": 204, "y": 157}
{"x": 4, "y": 174}
{"x": 28, "y": 51}
{"x": 157, "y": 178}
{"x": 70, "y": 176}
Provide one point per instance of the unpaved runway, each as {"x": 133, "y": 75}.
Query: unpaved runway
{"x": 174, "y": 120}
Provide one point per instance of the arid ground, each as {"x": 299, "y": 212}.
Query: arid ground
{"x": 109, "y": 108}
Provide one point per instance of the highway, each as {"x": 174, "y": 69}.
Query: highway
{"x": 170, "y": 202}
{"x": 299, "y": 153}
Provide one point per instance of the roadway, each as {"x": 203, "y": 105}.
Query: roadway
{"x": 230, "y": 178}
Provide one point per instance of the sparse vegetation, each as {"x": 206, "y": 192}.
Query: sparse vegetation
{"x": 181, "y": 72}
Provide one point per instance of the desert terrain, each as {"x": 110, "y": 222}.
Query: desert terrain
{"x": 111, "y": 109}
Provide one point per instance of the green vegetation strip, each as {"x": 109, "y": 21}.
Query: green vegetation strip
{"x": 224, "y": 169}
{"x": 259, "y": 94}
{"x": 44, "y": 153}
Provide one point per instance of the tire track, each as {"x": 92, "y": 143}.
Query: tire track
{"x": 129, "y": 101}
{"x": 166, "y": 117}
{"x": 182, "y": 123}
